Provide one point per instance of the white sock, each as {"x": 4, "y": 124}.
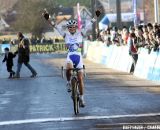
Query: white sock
{"x": 81, "y": 97}
{"x": 68, "y": 81}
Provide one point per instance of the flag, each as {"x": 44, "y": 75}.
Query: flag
{"x": 135, "y": 11}
{"x": 79, "y": 18}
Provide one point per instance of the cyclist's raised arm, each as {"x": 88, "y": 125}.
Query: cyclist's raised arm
{"x": 97, "y": 14}
{"x": 84, "y": 30}
{"x": 46, "y": 15}
{"x": 60, "y": 30}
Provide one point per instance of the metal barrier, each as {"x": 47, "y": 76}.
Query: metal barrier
{"x": 117, "y": 57}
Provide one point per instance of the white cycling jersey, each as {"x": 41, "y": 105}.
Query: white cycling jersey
{"x": 73, "y": 42}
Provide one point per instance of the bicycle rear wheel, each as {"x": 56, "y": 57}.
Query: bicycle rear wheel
{"x": 75, "y": 95}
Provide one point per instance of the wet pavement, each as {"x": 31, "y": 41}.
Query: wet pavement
{"x": 113, "y": 99}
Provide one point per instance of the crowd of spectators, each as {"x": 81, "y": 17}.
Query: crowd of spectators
{"x": 147, "y": 36}
{"x": 43, "y": 40}
{"x": 135, "y": 37}
{"x": 33, "y": 41}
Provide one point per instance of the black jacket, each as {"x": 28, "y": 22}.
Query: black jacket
{"x": 9, "y": 59}
{"x": 23, "y": 51}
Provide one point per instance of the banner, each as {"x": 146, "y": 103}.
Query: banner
{"x": 47, "y": 48}
{"x": 43, "y": 48}
{"x": 135, "y": 11}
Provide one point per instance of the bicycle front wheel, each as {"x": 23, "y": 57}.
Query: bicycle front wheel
{"x": 75, "y": 95}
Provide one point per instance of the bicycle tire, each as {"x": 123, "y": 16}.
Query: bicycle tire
{"x": 75, "y": 96}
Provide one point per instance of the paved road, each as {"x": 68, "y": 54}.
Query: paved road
{"x": 113, "y": 99}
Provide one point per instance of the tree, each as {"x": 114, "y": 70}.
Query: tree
{"x": 71, "y": 3}
{"x": 28, "y": 18}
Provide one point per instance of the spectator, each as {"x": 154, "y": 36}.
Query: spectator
{"x": 133, "y": 50}
{"x": 8, "y": 58}
{"x": 158, "y": 42}
{"x": 155, "y": 29}
{"x": 107, "y": 37}
{"x": 23, "y": 55}
{"x": 139, "y": 36}
{"x": 38, "y": 41}
{"x": 114, "y": 35}
{"x": 149, "y": 27}
{"x": 131, "y": 29}
{"x": 152, "y": 42}
{"x": 144, "y": 28}
{"x": 124, "y": 35}
{"x": 50, "y": 41}
{"x": 43, "y": 40}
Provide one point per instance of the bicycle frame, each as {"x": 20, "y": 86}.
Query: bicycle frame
{"x": 75, "y": 87}
{"x": 75, "y": 91}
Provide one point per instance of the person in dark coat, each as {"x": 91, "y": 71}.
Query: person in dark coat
{"x": 23, "y": 55}
{"x": 133, "y": 51}
{"x": 8, "y": 58}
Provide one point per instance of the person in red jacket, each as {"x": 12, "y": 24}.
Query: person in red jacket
{"x": 133, "y": 50}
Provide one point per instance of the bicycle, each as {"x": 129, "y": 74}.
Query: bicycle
{"x": 74, "y": 87}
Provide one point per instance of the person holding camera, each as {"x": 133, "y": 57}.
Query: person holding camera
{"x": 23, "y": 56}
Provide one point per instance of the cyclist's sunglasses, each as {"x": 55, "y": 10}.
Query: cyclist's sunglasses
{"x": 71, "y": 27}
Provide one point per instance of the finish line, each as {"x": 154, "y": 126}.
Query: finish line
{"x": 61, "y": 119}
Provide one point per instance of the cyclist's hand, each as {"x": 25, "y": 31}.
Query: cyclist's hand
{"x": 98, "y": 12}
{"x": 45, "y": 14}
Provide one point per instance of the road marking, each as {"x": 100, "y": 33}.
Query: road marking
{"x": 61, "y": 119}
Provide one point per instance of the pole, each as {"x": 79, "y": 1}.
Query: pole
{"x": 144, "y": 12}
{"x": 94, "y": 24}
{"x": 97, "y": 22}
{"x": 135, "y": 11}
{"x": 156, "y": 11}
{"x": 118, "y": 6}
